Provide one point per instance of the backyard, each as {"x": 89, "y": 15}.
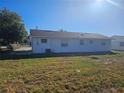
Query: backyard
{"x": 71, "y": 74}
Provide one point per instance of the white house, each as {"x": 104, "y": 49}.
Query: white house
{"x": 68, "y": 42}
{"x": 117, "y": 42}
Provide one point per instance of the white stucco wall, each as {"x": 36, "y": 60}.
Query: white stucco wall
{"x": 115, "y": 45}
{"x": 73, "y": 45}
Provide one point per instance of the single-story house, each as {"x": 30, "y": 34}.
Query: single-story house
{"x": 117, "y": 42}
{"x": 44, "y": 41}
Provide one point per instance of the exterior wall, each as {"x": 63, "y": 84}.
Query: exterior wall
{"x": 73, "y": 45}
{"x": 115, "y": 45}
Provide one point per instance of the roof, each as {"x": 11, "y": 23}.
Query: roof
{"x": 60, "y": 34}
{"x": 117, "y": 37}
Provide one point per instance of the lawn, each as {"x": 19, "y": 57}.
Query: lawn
{"x": 77, "y": 74}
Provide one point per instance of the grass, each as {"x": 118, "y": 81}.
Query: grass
{"x": 78, "y": 74}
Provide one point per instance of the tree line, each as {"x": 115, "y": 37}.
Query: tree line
{"x": 12, "y": 28}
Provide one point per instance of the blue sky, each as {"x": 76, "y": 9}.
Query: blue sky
{"x": 92, "y": 16}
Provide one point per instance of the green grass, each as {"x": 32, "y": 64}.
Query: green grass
{"x": 81, "y": 74}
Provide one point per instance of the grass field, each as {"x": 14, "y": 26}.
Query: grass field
{"x": 77, "y": 74}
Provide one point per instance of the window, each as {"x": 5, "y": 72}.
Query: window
{"x": 81, "y": 42}
{"x": 103, "y": 43}
{"x": 122, "y": 44}
{"x": 91, "y": 41}
{"x": 43, "y": 40}
{"x": 64, "y": 43}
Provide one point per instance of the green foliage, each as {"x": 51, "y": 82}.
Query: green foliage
{"x": 11, "y": 27}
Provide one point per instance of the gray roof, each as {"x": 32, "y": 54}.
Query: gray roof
{"x": 117, "y": 37}
{"x": 58, "y": 34}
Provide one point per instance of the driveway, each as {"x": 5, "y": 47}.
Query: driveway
{"x": 24, "y": 48}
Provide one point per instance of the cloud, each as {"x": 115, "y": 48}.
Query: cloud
{"x": 115, "y": 4}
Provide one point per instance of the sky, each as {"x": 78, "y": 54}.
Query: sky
{"x": 88, "y": 16}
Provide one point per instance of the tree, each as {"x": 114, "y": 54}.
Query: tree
{"x": 11, "y": 27}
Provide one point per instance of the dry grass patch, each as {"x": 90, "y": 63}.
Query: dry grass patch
{"x": 62, "y": 75}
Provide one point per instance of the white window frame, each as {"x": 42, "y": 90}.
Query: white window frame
{"x": 64, "y": 43}
{"x": 44, "y": 39}
{"x": 121, "y": 44}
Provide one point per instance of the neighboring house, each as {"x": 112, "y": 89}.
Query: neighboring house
{"x": 68, "y": 42}
{"x": 117, "y": 42}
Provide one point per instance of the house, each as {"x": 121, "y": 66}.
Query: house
{"x": 117, "y": 42}
{"x": 68, "y": 42}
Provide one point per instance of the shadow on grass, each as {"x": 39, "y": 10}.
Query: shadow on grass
{"x": 28, "y": 55}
